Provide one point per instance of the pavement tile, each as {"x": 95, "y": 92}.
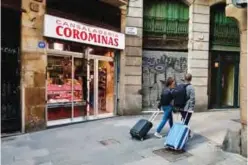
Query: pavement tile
{"x": 155, "y": 160}
{"x": 32, "y": 154}
{"x": 125, "y": 158}
{"x": 46, "y": 163}
{"x": 24, "y": 162}
{"x": 147, "y": 153}
{"x": 231, "y": 161}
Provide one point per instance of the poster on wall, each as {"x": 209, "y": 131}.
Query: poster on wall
{"x": 68, "y": 30}
{"x": 157, "y": 67}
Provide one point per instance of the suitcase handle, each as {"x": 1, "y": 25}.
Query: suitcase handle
{"x": 187, "y": 116}
{"x": 154, "y": 115}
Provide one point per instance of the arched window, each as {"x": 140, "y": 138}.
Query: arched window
{"x": 166, "y": 17}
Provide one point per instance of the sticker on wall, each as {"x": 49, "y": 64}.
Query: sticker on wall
{"x": 41, "y": 44}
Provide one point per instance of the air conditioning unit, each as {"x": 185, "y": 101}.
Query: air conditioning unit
{"x": 241, "y": 2}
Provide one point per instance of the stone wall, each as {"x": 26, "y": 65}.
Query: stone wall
{"x": 131, "y": 62}
{"x": 33, "y": 61}
{"x": 157, "y": 67}
{"x": 198, "y": 51}
{"x": 241, "y": 16}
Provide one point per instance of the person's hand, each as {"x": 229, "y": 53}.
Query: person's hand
{"x": 174, "y": 110}
{"x": 190, "y": 110}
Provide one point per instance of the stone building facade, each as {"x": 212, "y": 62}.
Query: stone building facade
{"x": 199, "y": 57}
{"x": 26, "y": 100}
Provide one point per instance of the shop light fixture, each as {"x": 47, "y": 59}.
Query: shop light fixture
{"x": 58, "y": 46}
{"x": 216, "y": 64}
{"x": 90, "y": 50}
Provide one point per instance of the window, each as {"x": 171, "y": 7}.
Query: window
{"x": 66, "y": 88}
{"x": 168, "y": 18}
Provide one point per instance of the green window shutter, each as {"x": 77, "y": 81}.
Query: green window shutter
{"x": 224, "y": 30}
{"x": 168, "y": 18}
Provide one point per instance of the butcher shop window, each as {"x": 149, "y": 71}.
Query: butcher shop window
{"x": 65, "y": 88}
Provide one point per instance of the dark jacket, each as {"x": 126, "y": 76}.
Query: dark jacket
{"x": 166, "y": 98}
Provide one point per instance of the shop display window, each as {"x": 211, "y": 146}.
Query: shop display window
{"x": 59, "y": 87}
{"x": 67, "y": 91}
{"x": 64, "y": 91}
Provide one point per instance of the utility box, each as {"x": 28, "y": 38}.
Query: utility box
{"x": 240, "y": 3}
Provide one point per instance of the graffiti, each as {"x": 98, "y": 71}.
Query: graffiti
{"x": 161, "y": 64}
{"x": 157, "y": 67}
{"x": 9, "y": 50}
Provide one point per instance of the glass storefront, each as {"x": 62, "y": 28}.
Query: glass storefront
{"x": 79, "y": 87}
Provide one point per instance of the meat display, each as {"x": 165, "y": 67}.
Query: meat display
{"x": 63, "y": 93}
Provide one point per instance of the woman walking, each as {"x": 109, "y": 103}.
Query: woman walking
{"x": 165, "y": 104}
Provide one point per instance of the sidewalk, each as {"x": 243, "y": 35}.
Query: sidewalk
{"x": 107, "y": 142}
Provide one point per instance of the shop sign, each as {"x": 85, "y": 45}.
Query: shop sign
{"x": 131, "y": 31}
{"x": 65, "y": 29}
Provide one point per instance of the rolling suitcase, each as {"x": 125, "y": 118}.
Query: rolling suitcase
{"x": 178, "y": 136}
{"x": 142, "y": 127}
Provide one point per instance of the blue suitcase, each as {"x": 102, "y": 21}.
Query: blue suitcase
{"x": 177, "y": 137}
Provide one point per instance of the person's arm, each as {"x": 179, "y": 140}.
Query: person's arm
{"x": 191, "y": 95}
{"x": 160, "y": 101}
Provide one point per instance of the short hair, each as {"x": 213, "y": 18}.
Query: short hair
{"x": 188, "y": 77}
{"x": 169, "y": 81}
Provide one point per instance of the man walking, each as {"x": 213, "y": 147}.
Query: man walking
{"x": 184, "y": 99}
{"x": 188, "y": 109}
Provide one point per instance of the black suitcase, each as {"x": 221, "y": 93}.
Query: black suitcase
{"x": 142, "y": 127}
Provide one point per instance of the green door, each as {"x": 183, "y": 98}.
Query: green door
{"x": 224, "y": 80}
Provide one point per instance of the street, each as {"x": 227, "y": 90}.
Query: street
{"x": 107, "y": 142}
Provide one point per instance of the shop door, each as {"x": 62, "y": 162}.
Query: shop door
{"x": 10, "y": 71}
{"x": 224, "y": 80}
{"x": 102, "y": 85}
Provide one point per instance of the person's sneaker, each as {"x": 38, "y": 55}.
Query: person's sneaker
{"x": 158, "y": 135}
{"x": 191, "y": 135}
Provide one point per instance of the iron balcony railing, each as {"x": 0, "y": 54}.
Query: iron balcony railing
{"x": 225, "y": 35}
{"x": 165, "y": 26}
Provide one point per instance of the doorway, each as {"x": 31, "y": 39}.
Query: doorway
{"x": 10, "y": 71}
{"x": 80, "y": 86}
{"x": 224, "y": 80}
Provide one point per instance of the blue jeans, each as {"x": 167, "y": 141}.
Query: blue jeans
{"x": 167, "y": 116}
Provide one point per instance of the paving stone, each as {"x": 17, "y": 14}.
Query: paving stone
{"x": 231, "y": 161}
{"x": 24, "y": 162}
{"x": 47, "y": 163}
{"x": 126, "y": 158}
{"x": 32, "y": 154}
{"x": 155, "y": 160}
{"x": 147, "y": 152}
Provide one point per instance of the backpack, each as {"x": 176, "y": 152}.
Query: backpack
{"x": 166, "y": 97}
{"x": 180, "y": 96}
